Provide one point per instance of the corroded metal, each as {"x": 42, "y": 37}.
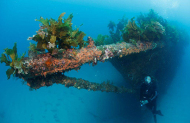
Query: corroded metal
{"x": 59, "y": 78}
{"x": 62, "y": 61}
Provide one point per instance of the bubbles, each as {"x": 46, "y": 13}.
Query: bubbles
{"x": 166, "y": 4}
{"x": 166, "y": 8}
{"x": 175, "y": 4}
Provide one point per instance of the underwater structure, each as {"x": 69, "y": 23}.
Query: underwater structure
{"x": 148, "y": 45}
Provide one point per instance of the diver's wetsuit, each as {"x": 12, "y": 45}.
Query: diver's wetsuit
{"x": 149, "y": 92}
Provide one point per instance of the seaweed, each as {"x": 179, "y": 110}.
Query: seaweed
{"x": 111, "y": 25}
{"x": 115, "y": 31}
{"x": 100, "y": 40}
{"x": 131, "y": 31}
{"x": 58, "y": 34}
{"x": 146, "y": 28}
{"x": 32, "y": 52}
{"x": 115, "y": 36}
{"x": 10, "y": 58}
{"x": 32, "y": 47}
{"x": 153, "y": 31}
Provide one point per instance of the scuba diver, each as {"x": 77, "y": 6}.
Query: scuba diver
{"x": 148, "y": 95}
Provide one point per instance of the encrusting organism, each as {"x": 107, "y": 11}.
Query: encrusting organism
{"x": 60, "y": 48}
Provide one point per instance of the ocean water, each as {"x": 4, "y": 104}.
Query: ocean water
{"x": 58, "y": 104}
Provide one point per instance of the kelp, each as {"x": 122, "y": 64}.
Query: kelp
{"x": 115, "y": 36}
{"x": 144, "y": 19}
{"x": 101, "y": 39}
{"x": 32, "y": 47}
{"x": 58, "y": 34}
{"x": 10, "y": 58}
{"x": 131, "y": 31}
{"x": 146, "y": 28}
{"x": 111, "y": 25}
{"x": 115, "y": 31}
{"x": 173, "y": 33}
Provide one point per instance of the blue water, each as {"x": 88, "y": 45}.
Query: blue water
{"x": 58, "y": 104}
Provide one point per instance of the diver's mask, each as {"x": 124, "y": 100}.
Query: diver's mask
{"x": 147, "y": 79}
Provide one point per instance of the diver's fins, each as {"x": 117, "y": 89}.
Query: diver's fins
{"x": 155, "y": 120}
{"x": 159, "y": 113}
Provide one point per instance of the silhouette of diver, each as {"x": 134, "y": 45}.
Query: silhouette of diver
{"x": 148, "y": 95}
